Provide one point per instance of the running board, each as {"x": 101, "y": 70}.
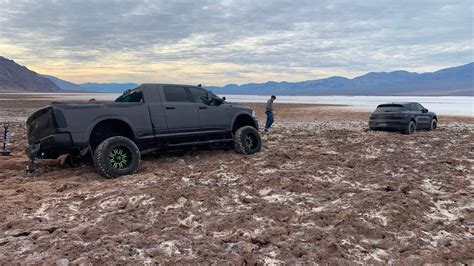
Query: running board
{"x": 199, "y": 142}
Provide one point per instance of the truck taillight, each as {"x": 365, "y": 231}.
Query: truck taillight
{"x": 59, "y": 119}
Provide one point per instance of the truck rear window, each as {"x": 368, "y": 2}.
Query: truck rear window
{"x": 133, "y": 97}
{"x": 389, "y": 108}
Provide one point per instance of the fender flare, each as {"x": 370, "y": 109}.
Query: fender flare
{"x": 242, "y": 114}
{"x": 108, "y": 117}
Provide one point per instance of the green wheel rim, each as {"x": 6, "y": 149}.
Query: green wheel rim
{"x": 250, "y": 141}
{"x": 120, "y": 157}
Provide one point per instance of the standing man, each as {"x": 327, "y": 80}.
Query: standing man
{"x": 269, "y": 112}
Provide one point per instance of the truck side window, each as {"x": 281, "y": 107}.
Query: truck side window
{"x": 199, "y": 95}
{"x": 175, "y": 94}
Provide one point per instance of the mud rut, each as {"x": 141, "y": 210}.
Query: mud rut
{"x": 318, "y": 192}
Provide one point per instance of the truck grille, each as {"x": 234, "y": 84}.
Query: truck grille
{"x": 40, "y": 124}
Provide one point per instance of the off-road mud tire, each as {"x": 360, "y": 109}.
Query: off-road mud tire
{"x": 240, "y": 140}
{"x": 433, "y": 124}
{"x": 410, "y": 129}
{"x": 103, "y": 152}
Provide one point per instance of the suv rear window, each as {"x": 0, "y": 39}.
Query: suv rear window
{"x": 175, "y": 94}
{"x": 389, "y": 108}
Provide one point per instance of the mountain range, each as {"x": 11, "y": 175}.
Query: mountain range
{"x": 91, "y": 87}
{"x": 450, "y": 81}
{"x": 14, "y": 77}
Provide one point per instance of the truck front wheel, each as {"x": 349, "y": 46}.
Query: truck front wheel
{"x": 247, "y": 140}
{"x": 116, "y": 156}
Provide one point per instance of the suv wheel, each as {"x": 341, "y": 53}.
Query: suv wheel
{"x": 116, "y": 156}
{"x": 247, "y": 140}
{"x": 433, "y": 125}
{"x": 411, "y": 128}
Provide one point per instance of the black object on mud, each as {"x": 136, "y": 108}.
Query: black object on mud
{"x": 6, "y": 130}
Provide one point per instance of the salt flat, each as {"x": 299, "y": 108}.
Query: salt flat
{"x": 324, "y": 189}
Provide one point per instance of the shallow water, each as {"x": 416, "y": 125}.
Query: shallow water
{"x": 446, "y": 105}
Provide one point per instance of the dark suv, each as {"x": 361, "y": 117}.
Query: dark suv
{"x": 407, "y": 117}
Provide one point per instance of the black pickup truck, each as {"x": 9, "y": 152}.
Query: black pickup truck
{"x": 148, "y": 118}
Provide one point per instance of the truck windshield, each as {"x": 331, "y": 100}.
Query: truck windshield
{"x": 389, "y": 108}
{"x": 131, "y": 97}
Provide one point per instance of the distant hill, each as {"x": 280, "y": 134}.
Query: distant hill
{"x": 91, "y": 87}
{"x": 65, "y": 85}
{"x": 450, "y": 81}
{"x": 14, "y": 77}
{"x": 108, "y": 87}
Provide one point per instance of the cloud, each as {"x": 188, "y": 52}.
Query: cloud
{"x": 219, "y": 42}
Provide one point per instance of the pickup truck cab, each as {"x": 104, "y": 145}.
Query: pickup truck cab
{"x": 148, "y": 118}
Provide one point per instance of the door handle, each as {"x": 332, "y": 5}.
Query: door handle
{"x": 202, "y": 107}
{"x": 170, "y": 108}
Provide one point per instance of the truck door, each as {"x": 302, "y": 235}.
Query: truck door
{"x": 181, "y": 114}
{"x": 155, "y": 107}
{"x": 212, "y": 117}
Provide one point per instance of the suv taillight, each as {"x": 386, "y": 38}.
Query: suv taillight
{"x": 400, "y": 115}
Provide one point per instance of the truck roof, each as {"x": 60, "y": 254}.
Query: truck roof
{"x": 167, "y": 84}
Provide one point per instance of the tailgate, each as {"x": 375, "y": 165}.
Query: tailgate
{"x": 40, "y": 124}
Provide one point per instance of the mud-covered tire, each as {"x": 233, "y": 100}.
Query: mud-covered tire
{"x": 410, "y": 129}
{"x": 433, "y": 124}
{"x": 116, "y": 156}
{"x": 247, "y": 140}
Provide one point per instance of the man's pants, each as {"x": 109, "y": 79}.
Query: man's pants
{"x": 269, "y": 122}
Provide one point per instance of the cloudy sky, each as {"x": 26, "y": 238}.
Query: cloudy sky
{"x": 227, "y": 41}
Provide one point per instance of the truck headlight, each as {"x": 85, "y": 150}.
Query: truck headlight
{"x": 253, "y": 114}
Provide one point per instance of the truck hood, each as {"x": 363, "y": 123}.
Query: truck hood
{"x": 238, "y": 105}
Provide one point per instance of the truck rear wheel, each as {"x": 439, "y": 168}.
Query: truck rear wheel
{"x": 116, "y": 156}
{"x": 247, "y": 140}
